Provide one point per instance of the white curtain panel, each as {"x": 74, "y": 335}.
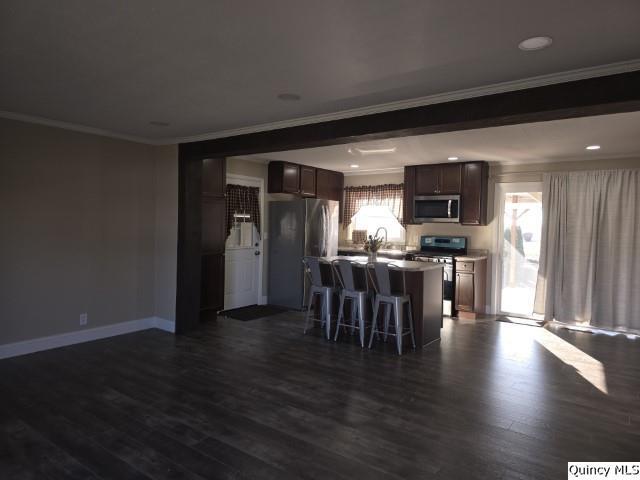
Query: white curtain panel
{"x": 590, "y": 251}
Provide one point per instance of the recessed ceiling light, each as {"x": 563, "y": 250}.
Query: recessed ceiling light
{"x": 535, "y": 43}
{"x": 452, "y": 159}
{"x": 593, "y": 147}
{"x": 354, "y": 165}
{"x": 289, "y": 97}
{"x": 156, "y": 123}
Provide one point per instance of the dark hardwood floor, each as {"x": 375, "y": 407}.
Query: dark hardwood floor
{"x": 259, "y": 400}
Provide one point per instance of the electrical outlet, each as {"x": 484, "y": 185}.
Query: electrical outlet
{"x": 83, "y": 319}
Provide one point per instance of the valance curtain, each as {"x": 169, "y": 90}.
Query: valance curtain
{"x": 590, "y": 249}
{"x": 390, "y": 195}
{"x": 242, "y": 200}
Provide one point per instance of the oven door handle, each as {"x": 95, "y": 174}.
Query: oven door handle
{"x": 448, "y": 273}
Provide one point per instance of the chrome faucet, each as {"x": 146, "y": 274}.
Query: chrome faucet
{"x": 386, "y": 240}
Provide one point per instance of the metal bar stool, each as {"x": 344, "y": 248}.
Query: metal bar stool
{"x": 317, "y": 287}
{"x": 391, "y": 302}
{"x": 343, "y": 270}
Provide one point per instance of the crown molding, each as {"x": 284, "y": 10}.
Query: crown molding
{"x": 532, "y": 82}
{"x": 47, "y": 122}
{"x": 568, "y": 159}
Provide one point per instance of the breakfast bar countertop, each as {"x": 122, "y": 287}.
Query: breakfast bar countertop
{"x": 404, "y": 265}
{"x": 391, "y": 251}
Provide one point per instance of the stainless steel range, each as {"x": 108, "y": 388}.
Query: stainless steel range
{"x": 443, "y": 250}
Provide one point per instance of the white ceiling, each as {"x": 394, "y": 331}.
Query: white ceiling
{"x": 555, "y": 141}
{"x": 215, "y": 66}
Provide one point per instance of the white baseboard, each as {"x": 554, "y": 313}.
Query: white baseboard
{"x": 164, "y": 324}
{"x": 62, "y": 340}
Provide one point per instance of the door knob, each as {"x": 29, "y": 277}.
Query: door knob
{"x": 257, "y": 252}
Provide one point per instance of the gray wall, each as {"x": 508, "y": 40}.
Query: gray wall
{"x": 166, "y": 230}
{"x": 80, "y": 230}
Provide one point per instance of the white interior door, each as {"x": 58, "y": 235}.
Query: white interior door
{"x": 519, "y": 226}
{"x": 243, "y": 256}
{"x": 241, "y": 276}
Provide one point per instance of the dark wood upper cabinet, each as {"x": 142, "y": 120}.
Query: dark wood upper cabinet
{"x": 329, "y": 184}
{"x": 469, "y": 179}
{"x": 427, "y": 179}
{"x": 437, "y": 179}
{"x": 450, "y": 178}
{"x": 283, "y": 178}
{"x": 307, "y": 181}
{"x": 475, "y": 186}
{"x": 291, "y": 178}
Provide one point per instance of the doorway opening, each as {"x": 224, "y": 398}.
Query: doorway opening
{"x": 244, "y": 261}
{"x": 519, "y": 228}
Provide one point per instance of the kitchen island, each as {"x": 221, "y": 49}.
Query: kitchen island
{"x": 423, "y": 283}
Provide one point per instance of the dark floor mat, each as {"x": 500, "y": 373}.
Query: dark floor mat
{"x": 253, "y": 312}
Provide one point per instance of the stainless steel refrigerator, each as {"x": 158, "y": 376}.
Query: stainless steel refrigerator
{"x": 298, "y": 228}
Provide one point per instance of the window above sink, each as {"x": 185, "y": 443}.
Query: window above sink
{"x": 372, "y": 217}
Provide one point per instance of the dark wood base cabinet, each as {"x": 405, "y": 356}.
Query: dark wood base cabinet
{"x": 470, "y": 294}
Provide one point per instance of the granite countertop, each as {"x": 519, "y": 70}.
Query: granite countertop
{"x": 404, "y": 265}
{"x": 473, "y": 256}
{"x": 388, "y": 251}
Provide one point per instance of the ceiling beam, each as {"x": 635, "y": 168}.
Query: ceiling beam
{"x": 593, "y": 96}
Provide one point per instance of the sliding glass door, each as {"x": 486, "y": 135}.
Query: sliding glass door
{"x": 518, "y": 247}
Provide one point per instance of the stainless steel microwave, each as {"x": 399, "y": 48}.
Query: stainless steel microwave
{"x": 436, "y": 208}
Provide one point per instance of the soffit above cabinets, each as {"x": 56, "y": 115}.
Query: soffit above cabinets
{"x": 554, "y": 141}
